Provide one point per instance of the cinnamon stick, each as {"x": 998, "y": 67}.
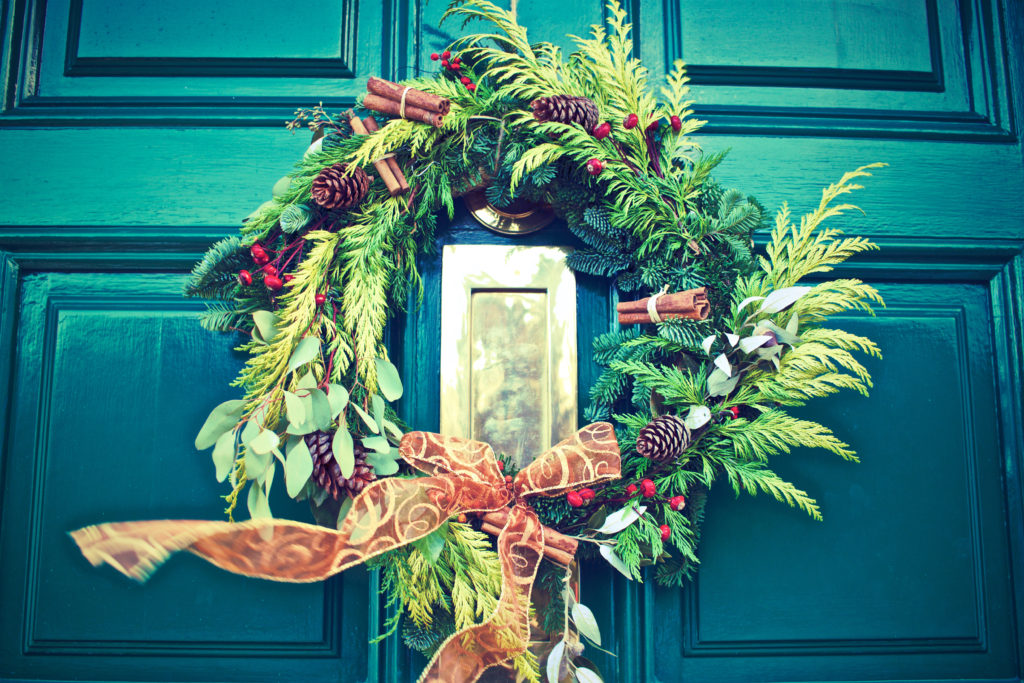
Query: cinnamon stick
{"x": 692, "y": 304}
{"x": 393, "y": 108}
{"x": 381, "y": 166}
{"x": 413, "y": 97}
{"x": 396, "y": 170}
{"x": 557, "y": 546}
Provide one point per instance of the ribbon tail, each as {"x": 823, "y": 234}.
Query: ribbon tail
{"x": 386, "y": 515}
{"x": 467, "y": 654}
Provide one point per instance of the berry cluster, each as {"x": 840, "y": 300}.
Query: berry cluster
{"x": 273, "y": 278}
{"x": 454, "y": 65}
{"x": 604, "y": 130}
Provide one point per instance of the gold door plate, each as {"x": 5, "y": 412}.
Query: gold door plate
{"x": 521, "y": 218}
{"x": 508, "y": 347}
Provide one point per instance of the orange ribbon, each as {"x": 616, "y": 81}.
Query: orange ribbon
{"x": 463, "y": 476}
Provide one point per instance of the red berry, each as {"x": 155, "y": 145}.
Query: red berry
{"x": 289, "y": 277}
{"x": 595, "y": 166}
{"x": 677, "y": 503}
{"x": 631, "y": 489}
{"x": 273, "y": 282}
{"x": 630, "y": 121}
{"x": 647, "y": 488}
{"x": 735, "y": 410}
{"x": 445, "y": 63}
{"x": 677, "y": 124}
{"x": 574, "y": 499}
{"x": 587, "y": 494}
{"x": 471, "y": 87}
{"x": 320, "y": 299}
{"x": 245, "y": 277}
{"x": 269, "y": 269}
{"x": 434, "y": 56}
{"x": 602, "y": 130}
{"x": 446, "y": 54}
{"x": 666, "y": 532}
{"x": 465, "y": 80}
{"x": 653, "y": 125}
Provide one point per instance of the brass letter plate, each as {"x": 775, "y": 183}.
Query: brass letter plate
{"x": 508, "y": 347}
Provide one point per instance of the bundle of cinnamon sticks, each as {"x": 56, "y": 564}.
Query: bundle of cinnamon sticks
{"x": 557, "y": 546}
{"x": 408, "y": 103}
{"x": 692, "y": 304}
{"x": 387, "y": 167}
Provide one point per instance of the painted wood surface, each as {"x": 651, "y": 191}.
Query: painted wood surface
{"x": 134, "y": 134}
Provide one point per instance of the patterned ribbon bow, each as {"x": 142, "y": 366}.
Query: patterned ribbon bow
{"x": 463, "y": 476}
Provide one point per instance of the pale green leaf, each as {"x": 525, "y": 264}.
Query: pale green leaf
{"x": 224, "y": 455}
{"x": 223, "y": 418}
{"x": 388, "y": 381}
{"x": 586, "y": 623}
{"x": 298, "y": 466}
{"x": 344, "y": 452}
{"x": 306, "y": 350}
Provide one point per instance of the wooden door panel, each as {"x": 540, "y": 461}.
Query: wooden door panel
{"x": 111, "y": 375}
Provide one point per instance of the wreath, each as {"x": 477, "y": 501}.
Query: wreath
{"x": 716, "y": 345}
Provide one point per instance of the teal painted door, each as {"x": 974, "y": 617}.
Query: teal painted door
{"x": 134, "y": 134}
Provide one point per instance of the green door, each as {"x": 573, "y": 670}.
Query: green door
{"x": 132, "y": 135}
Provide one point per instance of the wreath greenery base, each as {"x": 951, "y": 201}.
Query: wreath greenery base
{"x": 310, "y": 290}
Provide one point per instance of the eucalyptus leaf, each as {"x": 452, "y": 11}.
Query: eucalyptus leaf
{"x": 371, "y": 424}
{"x": 256, "y": 463}
{"x": 388, "y": 381}
{"x": 298, "y": 465}
{"x": 620, "y": 519}
{"x": 266, "y": 323}
{"x": 793, "y": 326}
{"x": 614, "y": 560}
{"x": 383, "y": 464}
{"x": 722, "y": 363}
{"x": 268, "y": 478}
{"x": 782, "y": 334}
{"x": 282, "y": 186}
{"x": 221, "y": 419}
{"x": 306, "y": 350}
{"x": 377, "y": 443}
{"x": 697, "y": 417}
{"x": 320, "y": 409}
{"x": 746, "y": 302}
{"x": 392, "y": 429}
{"x": 337, "y": 396}
{"x": 250, "y": 431}
{"x": 781, "y": 299}
{"x": 344, "y": 452}
{"x": 343, "y": 511}
{"x": 748, "y": 344}
{"x": 224, "y": 455}
{"x": 708, "y": 341}
{"x": 586, "y": 623}
{"x": 265, "y": 442}
{"x": 585, "y": 675}
{"x": 295, "y": 408}
{"x": 431, "y": 545}
{"x": 377, "y": 404}
{"x": 720, "y": 384}
{"x": 259, "y": 506}
{"x": 554, "y": 666}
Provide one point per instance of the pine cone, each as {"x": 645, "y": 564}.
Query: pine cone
{"x": 332, "y": 189}
{"x": 566, "y": 109}
{"x": 663, "y": 439}
{"x": 327, "y": 472}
